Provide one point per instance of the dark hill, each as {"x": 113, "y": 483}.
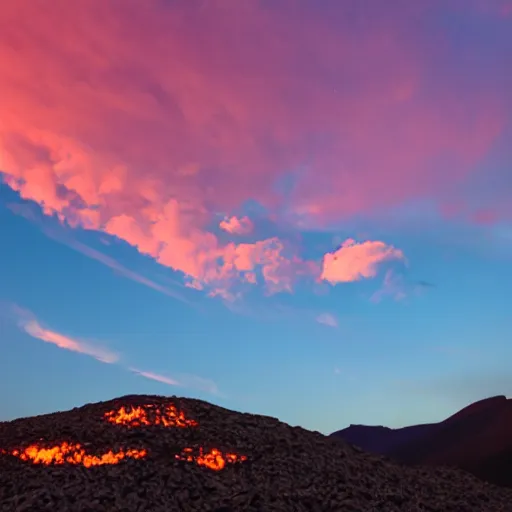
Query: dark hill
{"x": 176, "y": 454}
{"x": 379, "y": 439}
{"x": 478, "y": 439}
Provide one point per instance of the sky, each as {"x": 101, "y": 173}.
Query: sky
{"x": 294, "y": 208}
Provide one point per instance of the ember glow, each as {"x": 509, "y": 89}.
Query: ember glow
{"x": 214, "y": 459}
{"x": 150, "y": 415}
{"x": 72, "y": 454}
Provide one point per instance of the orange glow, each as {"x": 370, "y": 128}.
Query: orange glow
{"x": 138, "y": 416}
{"x": 72, "y": 454}
{"x": 214, "y": 459}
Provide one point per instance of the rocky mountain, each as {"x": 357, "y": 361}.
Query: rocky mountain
{"x": 151, "y": 454}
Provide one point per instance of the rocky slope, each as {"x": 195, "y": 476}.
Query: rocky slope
{"x": 150, "y": 454}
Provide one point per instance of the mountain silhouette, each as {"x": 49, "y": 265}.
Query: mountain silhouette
{"x": 478, "y": 439}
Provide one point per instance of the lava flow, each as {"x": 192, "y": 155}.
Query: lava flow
{"x": 138, "y": 416}
{"x": 214, "y": 459}
{"x": 72, "y": 454}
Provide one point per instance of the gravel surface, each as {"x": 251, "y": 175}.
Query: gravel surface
{"x": 178, "y": 454}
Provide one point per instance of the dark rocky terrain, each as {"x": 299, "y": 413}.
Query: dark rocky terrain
{"x": 477, "y": 439}
{"x": 149, "y": 457}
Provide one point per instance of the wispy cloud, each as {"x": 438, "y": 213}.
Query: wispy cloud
{"x": 61, "y": 236}
{"x": 29, "y": 323}
{"x": 122, "y": 270}
{"x": 327, "y": 319}
{"x": 199, "y": 383}
{"x": 392, "y": 286}
{"x": 272, "y": 310}
{"x": 397, "y": 287}
{"x": 155, "y": 376}
{"x": 182, "y": 380}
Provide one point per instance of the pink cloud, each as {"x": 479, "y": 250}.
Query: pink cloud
{"x": 172, "y": 238}
{"x": 327, "y": 319}
{"x": 354, "y": 261}
{"x": 142, "y": 120}
{"x": 29, "y": 323}
{"x": 237, "y": 226}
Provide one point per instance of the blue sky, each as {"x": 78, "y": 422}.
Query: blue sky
{"x": 393, "y": 362}
{"x": 315, "y": 225}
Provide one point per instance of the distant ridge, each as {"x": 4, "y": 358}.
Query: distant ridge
{"x": 480, "y": 406}
{"x": 478, "y": 438}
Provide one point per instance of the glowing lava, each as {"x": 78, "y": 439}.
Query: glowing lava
{"x": 214, "y": 459}
{"x": 72, "y": 454}
{"x": 138, "y": 416}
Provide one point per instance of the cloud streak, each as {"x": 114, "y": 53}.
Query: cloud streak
{"x": 29, "y": 323}
{"x": 183, "y": 380}
{"x": 155, "y": 376}
{"x": 61, "y": 237}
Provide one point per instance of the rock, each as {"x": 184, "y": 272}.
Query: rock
{"x": 285, "y": 468}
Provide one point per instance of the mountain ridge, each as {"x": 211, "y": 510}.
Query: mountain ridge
{"x": 477, "y": 438}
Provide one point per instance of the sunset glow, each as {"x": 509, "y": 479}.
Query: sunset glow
{"x": 256, "y": 202}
